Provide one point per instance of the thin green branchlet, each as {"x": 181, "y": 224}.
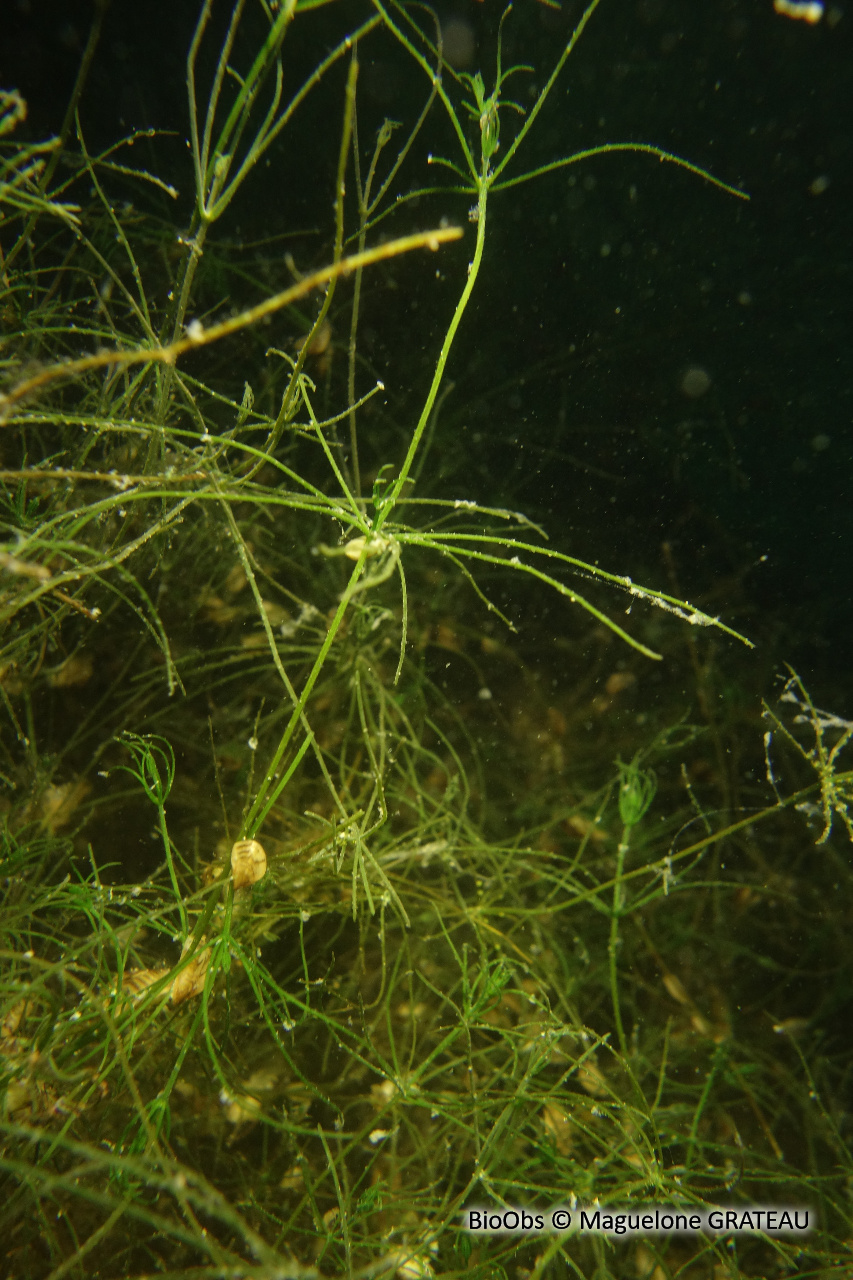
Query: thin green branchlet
{"x": 637, "y": 789}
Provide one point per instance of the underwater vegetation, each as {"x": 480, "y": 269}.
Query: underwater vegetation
{"x": 338, "y": 899}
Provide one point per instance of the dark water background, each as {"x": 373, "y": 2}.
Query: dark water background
{"x": 603, "y": 284}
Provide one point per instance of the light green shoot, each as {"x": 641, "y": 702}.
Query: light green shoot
{"x": 154, "y": 769}
{"x": 486, "y": 110}
{"x": 637, "y": 789}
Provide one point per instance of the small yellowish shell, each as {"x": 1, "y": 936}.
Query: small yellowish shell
{"x": 136, "y": 981}
{"x": 248, "y": 862}
{"x": 354, "y": 548}
{"x": 375, "y": 545}
{"x": 190, "y": 980}
{"x": 676, "y": 989}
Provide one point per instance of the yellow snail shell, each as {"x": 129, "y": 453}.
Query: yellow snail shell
{"x": 248, "y": 863}
{"x": 190, "y": 981}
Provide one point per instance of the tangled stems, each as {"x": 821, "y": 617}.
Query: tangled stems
{"x": 272, "y": 786}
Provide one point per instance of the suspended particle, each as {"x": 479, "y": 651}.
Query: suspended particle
{"x": 810, "y": 11}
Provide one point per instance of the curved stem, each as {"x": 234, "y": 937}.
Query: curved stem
{"x": 484, "y": 183}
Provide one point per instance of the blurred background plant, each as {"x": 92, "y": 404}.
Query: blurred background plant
{"x": 326, "y": 909}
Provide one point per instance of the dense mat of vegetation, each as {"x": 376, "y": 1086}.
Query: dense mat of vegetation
{"x": 327, "y": 911}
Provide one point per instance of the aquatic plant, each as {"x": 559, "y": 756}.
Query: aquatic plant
{"x": 281, "y": 1003}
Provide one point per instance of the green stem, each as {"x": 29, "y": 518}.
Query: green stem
{"x": 260, "y": 806}
{"x": 484, "y": 182}
{"x": 355, "y": 469}
{"x": 170, "y": 862}
{"x": 613, "y": 945}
